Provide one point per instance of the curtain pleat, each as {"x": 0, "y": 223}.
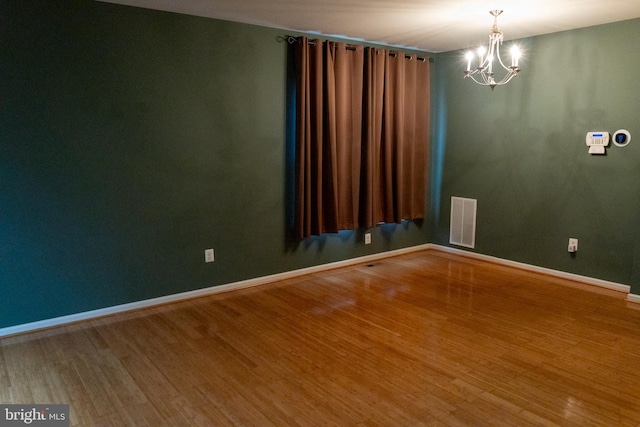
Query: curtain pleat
{"x": 348, "y": 117}
{"x": 309, "y": 130}
{"x": 371, "y": 177}
{"x": 391, "y": 140}
{"x": 361, "y": 137}
{"x": 327, "y": 181}
{"x": 421, "y": 129}
{"x": 405, "y": 136}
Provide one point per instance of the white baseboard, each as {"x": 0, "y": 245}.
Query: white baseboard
{"x": 556, "y": 273}
{"x": 633, "y": 298}
{"x": 107, "y": 311}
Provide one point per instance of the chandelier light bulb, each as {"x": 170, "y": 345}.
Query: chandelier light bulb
{"x": 481, "y": 52}
{"x": 469, "y": 57}
{"x": 515, "y": 56}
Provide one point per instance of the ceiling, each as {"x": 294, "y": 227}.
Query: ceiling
{"x": 431, "y": 25}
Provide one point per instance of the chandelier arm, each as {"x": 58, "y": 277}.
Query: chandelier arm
{"x": 483, "y": 76}
{"x": 486, "y": 82}
{"x": 490, "y": 57}
{"x": 483, "y": 65}
{"x": 477, "y": 82}
{"x": 507, "y": 78}
{"x": 500, "y": 60}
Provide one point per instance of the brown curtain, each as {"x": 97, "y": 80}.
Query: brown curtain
{"x": 355, "y": 142}
{"x": 328, "y": 122}
{"x": 405, "y": 133}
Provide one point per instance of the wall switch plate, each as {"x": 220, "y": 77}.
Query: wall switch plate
{"x": 208, "y": 255}
{"x": 367, "y": 238}
{"x": 573, "y": 245}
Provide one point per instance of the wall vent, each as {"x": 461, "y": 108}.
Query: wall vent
{"x": 463, "y": 222}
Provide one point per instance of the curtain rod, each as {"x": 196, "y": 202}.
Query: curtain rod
{"x": 352, "y": 47}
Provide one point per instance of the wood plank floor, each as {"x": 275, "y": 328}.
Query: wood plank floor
{"x": 424, "y": 339}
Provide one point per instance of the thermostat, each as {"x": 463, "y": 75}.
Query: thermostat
{"x": 621, "y": 137}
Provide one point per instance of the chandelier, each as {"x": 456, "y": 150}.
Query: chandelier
{"x": 483, "y": 74}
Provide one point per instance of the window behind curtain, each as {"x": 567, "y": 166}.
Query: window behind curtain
{"x": 362, "y": 131}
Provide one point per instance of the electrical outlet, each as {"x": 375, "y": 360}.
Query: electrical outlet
{"x": 573, "y": 245}
{"x": 208, "y": 255}
{"x": 367, "y": 238}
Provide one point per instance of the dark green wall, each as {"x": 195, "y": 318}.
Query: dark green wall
{"x": 520, "y": 151}
{"x": 130, "y": 141}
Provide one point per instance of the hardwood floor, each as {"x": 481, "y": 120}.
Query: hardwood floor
{"x": 428, "y": 338}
